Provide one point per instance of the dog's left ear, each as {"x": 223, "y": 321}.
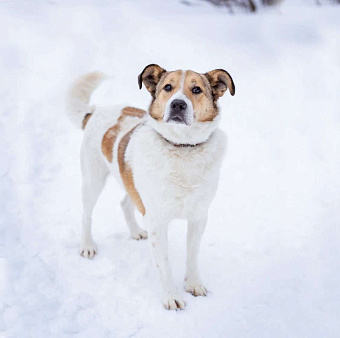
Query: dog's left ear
{"x": 150, "y": 76}
{"x": 220, "y": 80}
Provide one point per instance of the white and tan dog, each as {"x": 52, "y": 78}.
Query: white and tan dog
{"x": 167, "y": 159}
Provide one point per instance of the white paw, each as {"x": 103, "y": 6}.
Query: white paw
{"x": 139, "y": 234}
{"x": 173, "y": 302}
{"x": 88, "y": 249}
{"x": 195, "y": 287}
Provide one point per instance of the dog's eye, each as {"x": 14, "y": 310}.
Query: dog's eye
{"x": 168, "y": 88}
{"x": 196, "y": 90}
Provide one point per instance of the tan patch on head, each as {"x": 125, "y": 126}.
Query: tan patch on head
{"x": 213, "y": 84}
{"x": 126, "y": 172}
{"x": 157, "y": 107}
{"x": 111, "y": 135}
{"x": 205, "y": 108}
{"x": 86, "y": 119}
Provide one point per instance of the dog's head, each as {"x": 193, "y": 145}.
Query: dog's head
{"x": 184, "y": 103}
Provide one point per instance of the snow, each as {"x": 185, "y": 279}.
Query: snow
{"x": 270, "y": 256}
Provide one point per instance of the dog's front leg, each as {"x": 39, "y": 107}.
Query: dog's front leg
{"x": 192, "y": 279}
{"x": 158, "y": 232}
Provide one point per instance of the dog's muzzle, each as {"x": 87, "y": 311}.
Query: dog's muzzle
{"x": 177, "y": 111}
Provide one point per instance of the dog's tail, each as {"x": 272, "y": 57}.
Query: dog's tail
{"x": 78, "y": 97}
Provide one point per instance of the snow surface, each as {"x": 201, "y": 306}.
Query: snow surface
{"x": 270, "y": 256}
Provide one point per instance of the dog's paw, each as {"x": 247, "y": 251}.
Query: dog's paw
{"x": 196, "y": 288}
{"x": 88, "y": 249}
{"x": 173, "y": 302}
{"x": 139, "y": 234}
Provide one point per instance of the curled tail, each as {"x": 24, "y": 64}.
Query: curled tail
{"x": 78, "y": 97}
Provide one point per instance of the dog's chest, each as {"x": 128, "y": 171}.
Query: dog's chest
{"x": 184, "y": 172}
{"x": 176, "y": 179}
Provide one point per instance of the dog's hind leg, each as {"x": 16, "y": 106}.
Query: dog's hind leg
{"x": 129, "y": 213}
{"x": 94, "y": 177}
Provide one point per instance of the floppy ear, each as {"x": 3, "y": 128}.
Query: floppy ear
{"x": 150, "y": 76}
{"x": 220, "y": 80}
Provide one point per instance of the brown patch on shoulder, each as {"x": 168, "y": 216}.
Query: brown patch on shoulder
{"x": 126, "y": 172}
{"x": 111, "y": 135}
{"x": 205, "y": 107}
{"x": 86, "y": 119}
{"x": 133, "y": 112}
{"x": 108, "y": 141}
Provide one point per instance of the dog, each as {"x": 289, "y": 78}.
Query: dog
{"x": 167, "y": 159}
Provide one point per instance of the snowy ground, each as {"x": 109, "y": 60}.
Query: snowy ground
{"x": 270, "y": 256}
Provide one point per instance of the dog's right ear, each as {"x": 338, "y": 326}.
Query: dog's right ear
{"x": 150, "y": 76}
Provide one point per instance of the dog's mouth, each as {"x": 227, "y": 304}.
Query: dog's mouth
{"x": 177, "y": 118}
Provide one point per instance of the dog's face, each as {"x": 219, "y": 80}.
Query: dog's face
{"x": 184, "y": 99}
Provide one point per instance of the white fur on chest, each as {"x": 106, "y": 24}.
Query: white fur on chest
{"x": 175, "y": 182}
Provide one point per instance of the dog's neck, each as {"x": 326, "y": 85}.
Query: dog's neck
{"x": 180, "y": 136}
{"x": 183, "y": 145}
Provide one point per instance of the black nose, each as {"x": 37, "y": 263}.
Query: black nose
{"x": 178, "y": 105}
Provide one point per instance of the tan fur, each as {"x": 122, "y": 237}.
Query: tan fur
{"x": 151, "y": 76}
{"x": 213, "y": 84}
{"x": 157, "y": 107}
{"x": 126, "y": 172}
{"x": 133, "y": 112}
{"x": 86, "y": 119}
{"x": 203, "y": 104}
{"x": 220, "y": 80}
{"x": 108, "y": 141}
{"x": 110, "y": 136}
{"x": 204, "y": 107}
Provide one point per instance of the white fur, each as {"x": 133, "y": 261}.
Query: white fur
{"x": 79, "y": 94}
{"x": 180, "y": 133}
{"x": 189, "y": 111}
{"x": 173, "y": 182}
